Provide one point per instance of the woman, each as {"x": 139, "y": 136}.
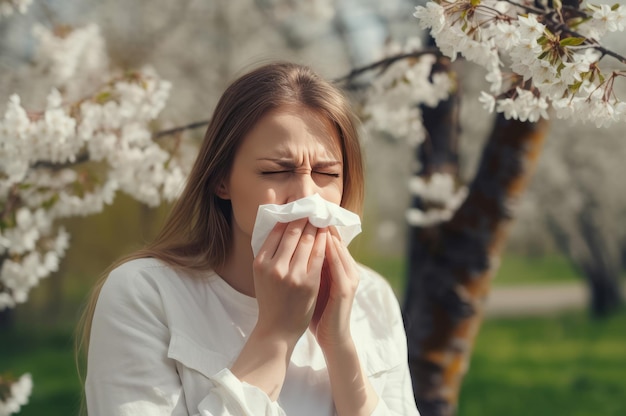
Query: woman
{"x": 195, "y": 324}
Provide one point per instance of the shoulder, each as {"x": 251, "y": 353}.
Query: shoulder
{"x": 372, "y": 284}
{"x": 153, "y": 284}
{"x": 376, "y": 294}
{"x": 139, "y": 283}
{"x": 139, "y": 267}
{"x": 136, "y": 275}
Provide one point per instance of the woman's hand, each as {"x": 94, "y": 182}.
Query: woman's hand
{"x": 339, "y": 281}
{"x": 287, "y": 273}
{"x": 352, "y": 391}
{"x": 286, "y": 281}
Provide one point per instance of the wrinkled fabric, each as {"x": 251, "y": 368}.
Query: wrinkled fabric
{"x": 162, "y": 343}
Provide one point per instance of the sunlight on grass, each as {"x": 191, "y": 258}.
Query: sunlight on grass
{"x": 514, "y": 270}
{"x": 565, "y": 365}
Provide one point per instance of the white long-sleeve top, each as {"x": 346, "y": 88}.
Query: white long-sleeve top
{"x": 162, "y": 342}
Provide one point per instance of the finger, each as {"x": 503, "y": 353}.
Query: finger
{"x": 270, "y": 245}
{"x": 333, "y": 261}
{"x": 290, "y": 239}
{"x": 318, "y": 252}
{"x": 342, "y": 251}
{"x": 302, "y": 252}
{"x": 340, "y": 263}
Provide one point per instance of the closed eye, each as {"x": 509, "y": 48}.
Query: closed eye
{"x": 332, "y": 174}
{"x": 275, "y": 172}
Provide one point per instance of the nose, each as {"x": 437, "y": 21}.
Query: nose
{"x": 301, "y": 185}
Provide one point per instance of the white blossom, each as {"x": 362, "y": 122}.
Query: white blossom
{"x": 73, "y": 58}
{"x": 529, "y": 27}
{"x": 392, "y": 105}
{"x": 441, "y": 196}
{"x": 8, "y": 7}
{"x": 19, "y": 393}
{"x": 488, "y": 101}
{"x": 431, "y": 17}
{"x": 556, "y": 70}
{"x": 604, "y": 18}
{"x": 111, "y": 127}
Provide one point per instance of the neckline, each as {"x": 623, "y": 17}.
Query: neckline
{"x": 247, "y": 303}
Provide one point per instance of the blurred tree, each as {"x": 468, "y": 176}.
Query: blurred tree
{"x": 453, "y": 256}
{"x": 580, "y": 200}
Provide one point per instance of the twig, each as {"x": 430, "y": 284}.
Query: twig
{"x": 180, "y": 129}
{"x": 385, "y": 62}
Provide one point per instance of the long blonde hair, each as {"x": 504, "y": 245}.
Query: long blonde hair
{"x": 197, "y": 233}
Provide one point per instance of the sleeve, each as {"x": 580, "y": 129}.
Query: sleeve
{"x": 128, "y": 370}
{"x": 397, "y": 397}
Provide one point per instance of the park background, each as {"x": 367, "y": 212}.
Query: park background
{"x": 540, "y": 350}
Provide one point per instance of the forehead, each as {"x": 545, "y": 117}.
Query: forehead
{"x": 289, "y": 131}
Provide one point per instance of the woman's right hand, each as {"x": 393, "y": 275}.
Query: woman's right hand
{"x": 287, "y": 273}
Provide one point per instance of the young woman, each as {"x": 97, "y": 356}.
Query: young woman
{"x": 194, "y": 324}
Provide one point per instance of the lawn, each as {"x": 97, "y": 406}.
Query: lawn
{"x": 514, "y": 270}
{"x": 47, "y": 354}
{"x": 563, "y": 365}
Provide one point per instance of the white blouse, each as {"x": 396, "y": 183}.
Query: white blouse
{"x": 162, "y": 342}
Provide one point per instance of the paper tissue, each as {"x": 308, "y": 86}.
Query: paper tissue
{"x": 321, "y": 213}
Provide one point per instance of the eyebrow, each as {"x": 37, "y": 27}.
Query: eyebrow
{"x": 290, "y": 164}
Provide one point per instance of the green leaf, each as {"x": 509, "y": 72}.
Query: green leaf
{"x": 573, "y": 88}
{"x": 475, "y": 2}
{"x": 49, "y": 203}
{"x": 571, "y": 41}
{"x": 543, "y": 55}
{"x": 615, "y": 6}
{"x": 103, "y": 97}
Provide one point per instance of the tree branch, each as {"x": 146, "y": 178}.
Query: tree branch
{"x": 180, "y": 129}
{"x": 385, "y": 63}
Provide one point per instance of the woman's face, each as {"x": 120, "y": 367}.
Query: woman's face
{"x": 291, "y": 153}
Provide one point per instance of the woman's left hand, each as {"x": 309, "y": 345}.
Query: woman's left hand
{"x": 339, "y": 281}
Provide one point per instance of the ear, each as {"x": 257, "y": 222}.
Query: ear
{"x": 222, "y": 191}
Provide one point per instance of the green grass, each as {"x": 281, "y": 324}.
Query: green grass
{"x": 548, "y": 269}
{"x": 47, "y": 354}
{"x": 514, "y": 270}
{"x": 564, "y": 365}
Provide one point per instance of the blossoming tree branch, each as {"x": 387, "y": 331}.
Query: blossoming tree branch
{"x": 71, "y": 158}
{"x": 536, "y": 56}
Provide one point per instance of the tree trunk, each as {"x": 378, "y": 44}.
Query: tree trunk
{"x": 589, "y": 244}
{"x": 602, "y": 267}
{"x": 451, "y": 265}
{"x": 606, "y": 295}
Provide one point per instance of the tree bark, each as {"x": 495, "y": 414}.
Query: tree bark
{"x": 451, "y": 265}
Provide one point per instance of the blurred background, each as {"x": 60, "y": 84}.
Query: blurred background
{"x": 542, "y": 349}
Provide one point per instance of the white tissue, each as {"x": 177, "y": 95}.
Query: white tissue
{"x": 320, "y": 213}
